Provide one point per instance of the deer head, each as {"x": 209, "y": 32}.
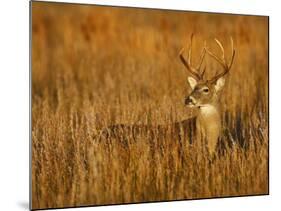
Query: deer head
{"x": 205, "y": 91}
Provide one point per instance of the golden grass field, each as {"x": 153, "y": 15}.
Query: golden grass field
{"x": 98, "y": 66}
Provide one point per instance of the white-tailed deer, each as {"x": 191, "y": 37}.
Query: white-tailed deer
{"x": 204, "y": 96}
{"x": 205, "y": 93}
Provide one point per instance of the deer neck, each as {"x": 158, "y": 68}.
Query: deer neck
{"x": 209, "y": 124}
{"x": 209, "y": 111}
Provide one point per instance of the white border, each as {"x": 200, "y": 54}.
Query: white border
{"x": 229, "y": 6}
{"x": 14, "y": 110}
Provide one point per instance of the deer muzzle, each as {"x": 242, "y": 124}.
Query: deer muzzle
{"x": 190, "y": 101}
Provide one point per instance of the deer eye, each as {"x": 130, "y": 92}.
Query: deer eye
{"x": 206, "y": 90}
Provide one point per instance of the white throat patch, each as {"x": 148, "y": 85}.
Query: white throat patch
{"x": 208, "y": 110}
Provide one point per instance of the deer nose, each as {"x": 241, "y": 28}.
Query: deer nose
{"x": 190, "y": 101}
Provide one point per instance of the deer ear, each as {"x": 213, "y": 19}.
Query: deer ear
{"x": 192, "y": 82}
{"x": 219, "y": 84}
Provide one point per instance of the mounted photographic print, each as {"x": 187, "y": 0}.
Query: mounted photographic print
{"x": 134, "y": 105}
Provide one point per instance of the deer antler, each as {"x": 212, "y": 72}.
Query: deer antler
{"x": 195, "y": 71}
{"x": 222, "y": 61}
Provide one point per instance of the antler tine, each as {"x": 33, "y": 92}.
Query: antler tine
{"x": 233, "y": 53}
{"x": 195, "y": 71}
{"x": 202, "y": 56}
{"x": 190, "y": 49}
{"x": 203, "y": 72}
{"x": 188, "y": 67}
{"x": 221, "y": 47}
{"x": 215, "y": 57}
{"x": 222, "y": 61}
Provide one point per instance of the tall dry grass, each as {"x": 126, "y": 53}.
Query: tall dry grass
{"x": 98, "y": 66}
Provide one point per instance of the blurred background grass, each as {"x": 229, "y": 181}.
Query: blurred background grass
{"x": 93, "y": 66}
